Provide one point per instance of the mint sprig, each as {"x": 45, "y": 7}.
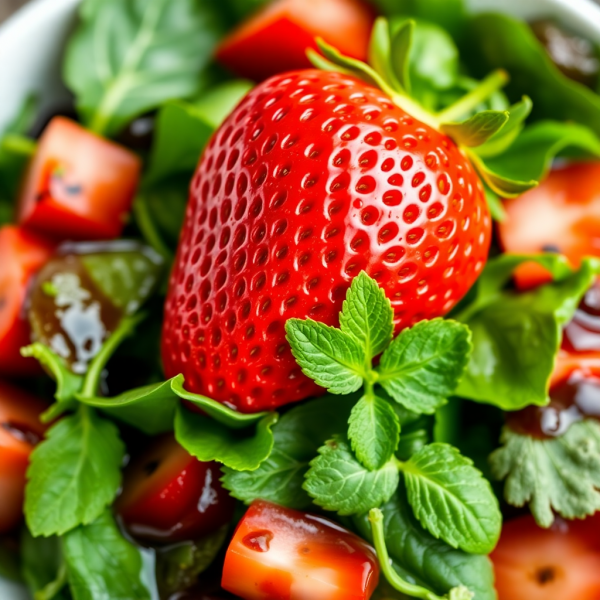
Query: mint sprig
{"x": 559, "y": 475}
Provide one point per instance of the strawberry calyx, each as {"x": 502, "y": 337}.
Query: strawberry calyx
{"x": 482, "y": 135}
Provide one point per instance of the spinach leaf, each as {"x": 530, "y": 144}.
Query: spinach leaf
{"x": 498, "y": 41}
{"x": 516, "y": 335}
{"x": 102, "y": 564}
{"x": 297, "y": 437}
{"x": 430, "y": 562}
{"x": 128, "y": 57}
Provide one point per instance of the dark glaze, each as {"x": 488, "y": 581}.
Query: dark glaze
{"x": 578, "y": 396}
{"x": 69, "y": 313}
{"x": 575, "y": 56}
{"x": 139, "y": 134}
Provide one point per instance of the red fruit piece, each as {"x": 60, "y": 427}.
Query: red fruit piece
{"x": 283, "y": 554}
{"x": 22, "y": 254}
{"x": 313, "y": 178}
{"x": 561, "y": 215}
{"x": 79, "y": 186}
{"x": 20, "y": 430}
{"x": 562, "y": 562}
{"x": 169, "y": 496}
{"x": 275, "y": 40}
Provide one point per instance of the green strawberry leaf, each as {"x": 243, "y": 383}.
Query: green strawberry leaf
{"x": 478, "y": 129}
{"x": 424, "y": 560}
{"x": 374, "y": 431}
{"x": 332, "y": 358}
{"x": 127, "y": 58}
{"x": 559, "y": 475}
{"x": 504, "y": 186}
{"x": 451, "y": 498}
{"x": 73, "y": 474}
{"x": 516, "y": 335}
{"x": 424, "y": 364}
{"x": 367, "y": 315}
{"x": 495, "y": 205}
{"x": 297, "y": 437}
{"x": 102, "y": 564}
{"x": 338, "y": 482}
{"x": 208, "y": 440}
{"x": 400, "y": 49}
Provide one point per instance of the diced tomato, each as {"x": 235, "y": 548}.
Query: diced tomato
{"x": 20, "y": 430}
{"x": 21, "y": 254}
{"x": 276, "y": 39}
{"x": 79, "y": 186}
{"x": 170, "y": 496}
{"x": 282, "y": 554}
{"x": 560, "y": 563}
{"x": 561, "y": 215}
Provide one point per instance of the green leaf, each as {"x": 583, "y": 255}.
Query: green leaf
{"x": 67, "y": 383}
{"x": 495, "y": 205}
{"x": 516, "y": 335}
{"x": 400, "y": 48}
{"x": 150, "y": 408}
{"x": 451, "y": 498}
{"x": 332, "y": 358}
{"x": 297, "y": 437}
{"x": 219, "y": 412}
{"x": 478, "y": 129}
{"x": 374, "y": 431}
{"x": 559, "y": 475}
{"x": 425, "y": 560}
{"x": 178, "y": 566}
{"x": 128, "y": 57}
{"x": 74, "y": 474}
{"x": 504, "y": 186}
{"x": 102, "y": 564}
{"x": 338, "y": 482}
{"x": 42, "y": 560}
{"x": 367, "y": 315}
{"x": 219, "y": 101}
{"x": 424, "y": 364}
{"x": 207, "y": 440}
{"x": 500, "y": 41}
{"x": 10, "y": 560}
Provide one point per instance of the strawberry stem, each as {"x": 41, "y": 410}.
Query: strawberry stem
{"x": 492, "y": 83}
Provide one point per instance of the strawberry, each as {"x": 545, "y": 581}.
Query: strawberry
{"x": 315, "y": 177}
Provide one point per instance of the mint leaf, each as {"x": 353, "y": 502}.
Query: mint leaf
{"x": 73, "y": 474}
{"x": 478, "y": 129}
{"x": 374, "y": 431}
{"x": 102, "y": 564}
{"x": 451, "y": 498}
{"x": 516, "y": 335}
{"x": 424, "y": 364}
{"x": 42, "y": 559}
{"x": 428, "y": 562}
{"x": 559, "y": 475}
{"x": 156, "y": 54}
{"x": 297, "y": 437}
{"x": 208, "y": 440}
{"x": 332, "y": 358}
{"x": 338, "y": 482}
{"x": 367, "y": 315}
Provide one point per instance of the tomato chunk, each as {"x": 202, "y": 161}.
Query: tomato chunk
{"x": 559, "y": 563}
{"x": 282, "y": 554}
{"x": 22, "y": 254}
{"x": 79, "y": 186}
{"x": 170, "y": 496}
{"x": 276, "y": 39}
{"x": 561, "y": 215}
{"x": 20, "y": 430}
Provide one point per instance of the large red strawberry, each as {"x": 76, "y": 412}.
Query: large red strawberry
{"x": 315, "y": 177}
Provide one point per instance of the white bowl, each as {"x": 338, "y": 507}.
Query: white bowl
{"x": 31, "y": 44}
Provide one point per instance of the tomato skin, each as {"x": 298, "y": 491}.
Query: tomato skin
{"x": 276, "y": 39}
{"x": 281, "y": 554}
{"x": 20, "y": 429}
{"x": 23, "y": 253}
{"x": 79, "y": 186}
{"x": 562, "y": 214}
{"x": 560, "y": 563}
{"x": 169, "y": 496}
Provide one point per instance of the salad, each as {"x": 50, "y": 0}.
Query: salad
{"x": 300, "y": 300}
